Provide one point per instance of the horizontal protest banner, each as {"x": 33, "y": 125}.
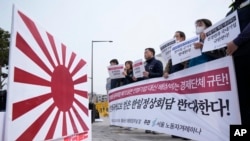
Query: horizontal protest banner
{"x": 206, "y": 94}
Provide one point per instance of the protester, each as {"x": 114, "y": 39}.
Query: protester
{"x": 153, "y": 69}
{"x": 115, "y": 82}
{"x": 179, "y": 37}
{"x": 128, "y": 73}
{"x": 201, "y": 25}
{"x": 239, "y": 48}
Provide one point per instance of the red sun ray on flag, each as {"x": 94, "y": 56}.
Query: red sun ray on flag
{"x": 64, "y": 107}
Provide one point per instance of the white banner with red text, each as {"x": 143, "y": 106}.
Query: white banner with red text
{"x": 138, "y": 68}
{"x": 198, "y": 103}
{"x": 116, "y": 71}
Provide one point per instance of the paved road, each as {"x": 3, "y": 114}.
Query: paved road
{"x": 101, "y": 131}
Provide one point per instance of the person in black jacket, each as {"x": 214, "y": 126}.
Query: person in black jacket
{"x": 128, "y": 73}
{"x": 179, "y": 37}
{"x": 153, "y": 67}
{"x": 239, "y": 48}
{"x": 115, "y": 82}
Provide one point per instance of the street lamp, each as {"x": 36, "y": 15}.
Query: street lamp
{"x": 92, "y": 78}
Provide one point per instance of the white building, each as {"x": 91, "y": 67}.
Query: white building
{"x": 98, "y": 97}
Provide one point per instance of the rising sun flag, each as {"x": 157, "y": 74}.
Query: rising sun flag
{"x": 47, "y": 97}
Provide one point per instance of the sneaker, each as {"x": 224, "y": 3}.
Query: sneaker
{"x": 147, "y": 131}
{"x": 173, "y": 136}
{"x": 185, "y": 139}
{"x": 130, "y": 129}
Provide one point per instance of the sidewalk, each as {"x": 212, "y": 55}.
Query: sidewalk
{"x": 101, "y": 131}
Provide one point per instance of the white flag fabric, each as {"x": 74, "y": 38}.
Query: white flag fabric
{"x": 47, "y": 97}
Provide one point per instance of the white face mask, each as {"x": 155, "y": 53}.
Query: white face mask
{"x": 200, "y": 29}
{"x": 176, "y": 41}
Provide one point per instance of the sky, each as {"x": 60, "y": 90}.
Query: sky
{"x": 132, "y": 25}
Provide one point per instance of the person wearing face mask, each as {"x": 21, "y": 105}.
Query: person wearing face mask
{"x": 201, "y": 25}
{"x": 179, "y": 37}
{"x": 239, "y": 48}
{"x": 128, "y": 73}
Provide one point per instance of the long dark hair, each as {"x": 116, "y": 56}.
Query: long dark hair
{"x": 130, "y": 64}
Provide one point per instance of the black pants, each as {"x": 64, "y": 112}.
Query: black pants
{"x": 115, "y": 83}
{"x": 242, "y": 70}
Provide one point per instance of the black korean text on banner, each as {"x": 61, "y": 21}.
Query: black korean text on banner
{"x": 218, "y": 35}
{"x": 166, "y": 49}
{"x": 211, "y": 81}
{"x": 197, "y": 103}
{"x": 185, "y": 50}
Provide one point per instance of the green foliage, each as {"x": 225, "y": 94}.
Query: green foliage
{"x": 4, "y": 47}
{"x": 4, "y": 53}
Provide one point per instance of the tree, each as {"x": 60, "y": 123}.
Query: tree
{"x": 4, "y": 52}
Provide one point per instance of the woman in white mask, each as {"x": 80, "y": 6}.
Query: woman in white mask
{"x": 201, "y": 25}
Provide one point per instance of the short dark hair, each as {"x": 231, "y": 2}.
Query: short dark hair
{"x": 114, "y": 61}
{"x": 151, "y": 50}
{"x": 182, "y": 34}
{"x": 207, "y": 22}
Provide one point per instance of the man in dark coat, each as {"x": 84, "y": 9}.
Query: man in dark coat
{"x": 239, "y": 48}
